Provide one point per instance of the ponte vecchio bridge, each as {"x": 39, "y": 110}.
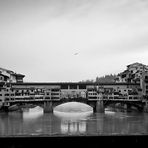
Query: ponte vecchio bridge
{"x": 49, "y": 95}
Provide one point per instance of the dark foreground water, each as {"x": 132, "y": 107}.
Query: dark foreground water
{"x": 35, "y": 122}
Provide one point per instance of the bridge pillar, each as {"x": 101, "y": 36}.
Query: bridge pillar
{"x": 99, "y": 108}
{"x": 127, "y": 107}
{"x": 48, "y": 108}
{"x": 146, "y": 107}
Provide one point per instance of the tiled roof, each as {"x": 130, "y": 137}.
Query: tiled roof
{"x": 9, "y": 71}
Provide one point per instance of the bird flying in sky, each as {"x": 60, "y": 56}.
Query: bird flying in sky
{"x": 76, "y": 54}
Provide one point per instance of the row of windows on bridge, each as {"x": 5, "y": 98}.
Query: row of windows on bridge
{"x": 54, "y": 89}
{"x": 93, "y": 89}
{"x": 29, "y": 90}
{"x": 58, "y": 89}
{"x": 91, "y": 97}
{"x": 55, "y": 94}
{"x": 73, "y": 86}
{"x": 18, "y": 94}
{"x": 39, "y": 91}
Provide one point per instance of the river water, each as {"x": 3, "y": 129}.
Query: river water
{"x": 35, "y": 122}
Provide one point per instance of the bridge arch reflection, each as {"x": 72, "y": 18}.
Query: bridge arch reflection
{"x": 73, "y": 127}
{"x": 74, "y": 122}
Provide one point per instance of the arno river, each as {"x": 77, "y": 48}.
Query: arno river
{"x": 35, "y": 122}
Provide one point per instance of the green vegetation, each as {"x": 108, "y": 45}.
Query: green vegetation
{"x": 106, "y": 78}
{"x": 103, "y": 79}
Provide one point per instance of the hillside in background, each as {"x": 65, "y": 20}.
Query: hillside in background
{"x": 106, "y": 78}
{"x": 103, "y": 79}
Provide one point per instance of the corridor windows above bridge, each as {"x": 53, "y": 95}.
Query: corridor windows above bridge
{"x": 55, "y": 89}
{"x": 82, "y": 86}
{"x": 91, "y": 89}
{"x": 73, "y": 86}
{"x": 55, "y": 93}
{"x": 64, "y": 86}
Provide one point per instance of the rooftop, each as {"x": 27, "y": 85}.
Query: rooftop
{"x": 135, "y": 64}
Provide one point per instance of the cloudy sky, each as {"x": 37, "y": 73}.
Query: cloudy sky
{"x": 72, "y": 40}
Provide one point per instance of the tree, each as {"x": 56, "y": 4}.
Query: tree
{"x": 106, "y": 78}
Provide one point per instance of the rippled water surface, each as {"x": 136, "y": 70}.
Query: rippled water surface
{"x": 35, "y": 122}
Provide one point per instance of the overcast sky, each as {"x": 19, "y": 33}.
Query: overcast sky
{"x": 72, "y": 40}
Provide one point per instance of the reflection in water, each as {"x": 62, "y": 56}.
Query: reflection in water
{"x": 64, "y": 127}
{"x": 73, "y": 123}
{"x": 85, "y": 123}
{"x": 73, "y": 127}
{"x": 32, "y": 113}
{"x": 82, "y": 127}
{"x": 109, "y": 112}
{"x": 73, "y": 117}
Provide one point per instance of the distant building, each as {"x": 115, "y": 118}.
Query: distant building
{"x": 10, "y": 76}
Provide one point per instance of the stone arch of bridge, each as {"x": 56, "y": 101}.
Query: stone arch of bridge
{"x": 50, "y": 105}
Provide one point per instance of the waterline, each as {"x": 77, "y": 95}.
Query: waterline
{"x": 72, "y": 115}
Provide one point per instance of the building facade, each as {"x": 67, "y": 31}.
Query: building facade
{"x": 132, "y": 74}
{"x": 10, "y": 76}
{"x": 144, "y": 84}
